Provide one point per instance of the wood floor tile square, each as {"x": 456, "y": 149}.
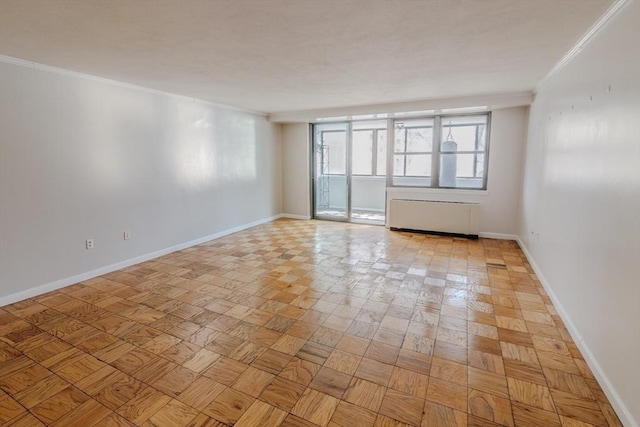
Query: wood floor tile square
{"x": 488, "y": 382}
{"x": 490, "y": 407}
{"x": 409, "y": 382}
{"x": 59, "y": 404}
{"x": 572, "y": 406}
{"x": 201, "y": 393}
{"x": 293, "y": 421}
{"x": 225, "y": 370}
{"x": 569, "y": 383}
{"x": 229, "y": 406}
{"x": 175, "y": 381}
{"x": 272, "y": 361}
{"x": 252, "y": 381}
{"x": 9, "y": 409}
{"x": 445, "y": 350}
{"x": 88, "y": 413}
{"x": 530, "y": 394}
{"x": 133, "y": 360}
{"x": 374, "y": 371}
{"x": 350, "y": 415}
{"x": 343, "y": 361}
{"x": 119, "y": 392}
{"x": 402, "y": 407}
{"x": 261, "y": 414}
{"x": 288, "y": 344}
{"x": 315, "y": 407}
{"x": 419, "y": 344}
{"x": 282, "y": 393}
{"x": 143, "y": 405}
{"x": 414, "y": 361}
{"x": 365, "y": 394}
{"x": 558, "y": 362}
{"x": 436, "y": 415}
{"x": 530, "y": 416}
{"x": 449, "y": 371}
{"x": 314, "y": 352}
{"x": 352, "y": 344}
{"x": 550, "y": 344}
{"x": 175, "y": 413}
{"x": 448, "y": 394}
{"x": 154, "y": 370}
{"x": 330, "y": 382}
{"x": 524, "y": 371}
{"x": 381, "y": 352}
{"x": 266, "y": 337}
{"x": 18, "y": 381}
{"x": 202, "y": 420}
{"x": 41, "y": 391}
{"x": 300, "y": 371}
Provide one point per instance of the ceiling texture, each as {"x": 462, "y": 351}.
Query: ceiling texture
{"x": 292, "y": 55}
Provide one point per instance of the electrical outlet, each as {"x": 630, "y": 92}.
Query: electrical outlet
{"x": 126, "y": 235}
{"x": 89, "y": 243}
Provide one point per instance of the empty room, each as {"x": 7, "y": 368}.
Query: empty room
{"x": 320, "y": 213}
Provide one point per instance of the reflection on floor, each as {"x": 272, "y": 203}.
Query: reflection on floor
{"x": 301, "y": 323}
{"x": 357, "y": 215}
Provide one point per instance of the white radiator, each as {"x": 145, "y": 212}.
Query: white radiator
{"x": 442, "y": 217}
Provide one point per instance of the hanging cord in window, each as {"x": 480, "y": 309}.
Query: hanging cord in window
{"x": 450, "y": 136}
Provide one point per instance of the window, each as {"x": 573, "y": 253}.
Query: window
{"x": 413, "y": 152}
{"x": 441, "y": 152}
{"x": 335, "y": 145}
{"x": 369, "y": 148}
{"x": 362, "y": 152}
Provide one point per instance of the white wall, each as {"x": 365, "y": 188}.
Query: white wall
{"x": 581, "y": 203}
{"x": 83, "y": 158}
{"x": 499, "y": 204}
{"x": 295, "y": 170}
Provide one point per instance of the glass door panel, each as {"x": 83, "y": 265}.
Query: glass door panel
{"x": 331, "y": 184}
{"x": 368, "y": 167}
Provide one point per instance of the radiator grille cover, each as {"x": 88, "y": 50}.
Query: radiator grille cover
{"x": 443, "y": 217}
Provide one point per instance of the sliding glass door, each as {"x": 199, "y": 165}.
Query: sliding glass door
{"x": 331, "y": 194}
{"x": 350, "y": 162}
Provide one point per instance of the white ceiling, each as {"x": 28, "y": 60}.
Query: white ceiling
{"x": 290, "y": 55}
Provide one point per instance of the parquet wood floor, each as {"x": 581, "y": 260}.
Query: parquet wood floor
{"x": 301, "y": 323}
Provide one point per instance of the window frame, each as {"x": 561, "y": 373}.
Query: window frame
{"x": 374, "y": 151}
{"x": 322, "y": 132}
{"x": 437, "y": 152}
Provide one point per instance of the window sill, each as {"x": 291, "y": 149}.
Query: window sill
{"x": 439, "y": 191}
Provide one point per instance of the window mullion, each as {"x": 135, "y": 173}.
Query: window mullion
{"x": 391, "y": 134}
{"x": 374, "y": 152}
{"x": 435, "y": 156}
{"x": 475, "y": 155}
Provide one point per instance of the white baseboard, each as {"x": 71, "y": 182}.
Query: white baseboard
{"x": 500, "y": 236}
{"x": 621, "y": 410}
{"x": 52, "y": 286}
{"x": 293, "y": 216}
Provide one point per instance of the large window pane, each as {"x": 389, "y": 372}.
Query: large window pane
{"x": 462, "y": 147}
{"x": 412, "y": 158}
{"x": 418, "y": 165}
{"x": 413, "y": 135}
{"x": 468, "y": 133}
{"x": 362, "y": 152}
{"x": 461, "y": 170}
{"x": 381, "y": 166}
{"x": 335, "y": 143}
{"x": 419, "y": 140}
